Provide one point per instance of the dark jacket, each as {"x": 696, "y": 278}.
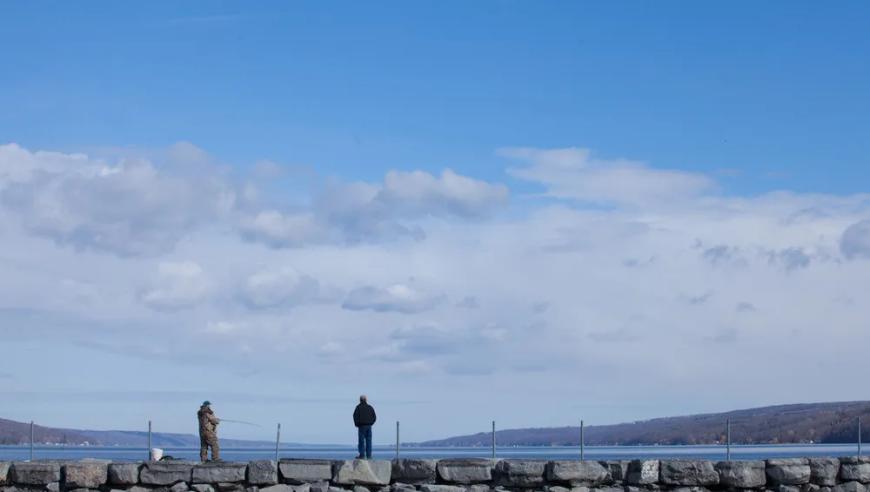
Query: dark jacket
{"x": 364, "y": 415}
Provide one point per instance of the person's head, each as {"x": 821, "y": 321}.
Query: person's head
{"x": 363, "y": 398}
{"x": 206, "y": 403}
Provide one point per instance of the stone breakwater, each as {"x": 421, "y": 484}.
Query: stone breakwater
{"x": 849, "y": 474}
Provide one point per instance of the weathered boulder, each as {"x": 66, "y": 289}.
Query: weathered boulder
{"x": 643, "y": 472}
{"x": 202, "y": 487}
{"x": 855, "y": 468}
{"x": 690, "y": 489}
{"x": 297, "y": 471}
{"x": 413, "y": 471}
{"x": 401, "y": 487}
{"x": 427, "y": 487}
{"x": 478, "y": 487}
{"x": 34, "y": 473}
{"x": 362, "y": 472}
{"x": 229, "y": 487}
{"x": 850, "y": 487}
{"x": 165, "y": 472}
{"x": 277, "y": 488}
{"x": 85, "y": 474}
{"x": 618, "y": 469}
{"x": 4, "y": 471}
{"x": 741, "y": 474}
{"x": 578, "y": 472}
{"x": 179, "y": 487}
{"x": 219, "y": 472}
{"x": 124, "y": 473}
{"x": 824, "y": 471}
{"x": 520, "y": 473}
{"x": 465, "y": 471}
{"x": 605, "y": 489}
{"x": 688, "y": 473}
{"x": 263, "y": 472}
{"x": 789, "y": 471}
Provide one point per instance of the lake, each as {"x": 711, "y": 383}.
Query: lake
{"x": 711, "y": 452}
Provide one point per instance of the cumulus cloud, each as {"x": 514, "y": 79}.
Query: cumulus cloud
{"x": 130, "y": 208}
{"x": 178, "y": 285}
{"x": 284, "y": 287}
{"x": 573, "y": 173}
{"x": 855, "y": 242}
{"x": 399, "y": 298}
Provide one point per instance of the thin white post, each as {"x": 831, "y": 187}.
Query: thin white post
{"x": 397, "y": 440}
{"x": 149, "y": 440}
{"x": 859, "y": 435}
{"x": 582, "y": 442}
{"x": 31, "y": 440}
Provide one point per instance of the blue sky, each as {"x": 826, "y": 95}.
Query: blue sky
{"x": 356, "y": 89}
{"x": 463, "y": 209}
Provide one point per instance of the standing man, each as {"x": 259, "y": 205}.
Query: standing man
{"x": 364, "y": 418}
{"x": 208, "y": 433}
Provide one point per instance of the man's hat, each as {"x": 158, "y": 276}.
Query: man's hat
{"x": 206, "y": 403}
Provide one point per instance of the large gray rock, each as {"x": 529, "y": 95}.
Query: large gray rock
{"x": 165, "y": 472}
{"x": 855, "y": 468}
{"x": 220, "y": 472}
{"x": 618, "y": 469}
{"x": 263, "y": 472}
{"x": 688, "y": 472}
{"x": 643, "y": 472}
{"x": 578, "y": 473}
{"x": 400, "y": 487}
{"x": 520, "y": 473}
{"x": 34, "y": 473}
{"x": 305, "y": 471}
{"x": 85, "y": 474}
{"x": 741, "y": 474}
{"x": 850, "y": 487}
{"x": 790, "y": 471}
{"x": 477, "y": 488}
{"x": 179, "y": 487}
{"x": 824, "y": 471}
{"x": 414, "y": 471}
{"x": 124, "y": 473}
{"x": 428, "y": 487}
{"x": 362, "y": 472}
{"x": 319, "y": 487}
{"x": 4, "y": 471}
{"x": 277, "y": 488}
{"x": 465, "y": 471}
{"x": 202, "y": 487}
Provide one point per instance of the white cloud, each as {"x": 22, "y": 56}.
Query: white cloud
{"x": 400, "y": 298}
{"x": 177, "y": 286}
{"x": 855, "y": 242}
{"x": 282, "y": 287}
{"x": 573, "y": 173}
{"x": 130, "y": 208}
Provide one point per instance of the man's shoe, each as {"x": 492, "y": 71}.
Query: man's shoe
{"x": 360, "y": 457}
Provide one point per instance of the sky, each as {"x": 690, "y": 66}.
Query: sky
{"x": 528, "y": 212}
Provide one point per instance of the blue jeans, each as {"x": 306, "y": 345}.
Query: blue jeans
{"x": 365, "y": 441}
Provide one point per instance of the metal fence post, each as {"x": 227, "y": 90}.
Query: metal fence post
{"x": 728, "y": 440}
{"x": 31, "y": 440}
{"x": 493, "y": 439}
{"x": 278, "y": 441}
{"x": 859, "y": 435}
{"x": 397, "y": 440}
{"x": 582, "y": 441}
{"x": 149, "y": 440}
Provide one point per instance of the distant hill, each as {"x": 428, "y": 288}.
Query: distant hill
{"x": 12, "y": 432}
{"x": 799, "y": 423}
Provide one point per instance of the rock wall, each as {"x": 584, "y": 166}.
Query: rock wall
{"x": 849, "y": 474}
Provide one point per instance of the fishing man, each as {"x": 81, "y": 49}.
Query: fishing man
{"x": 364, "y": 418}
{"x": 208, "y": 432}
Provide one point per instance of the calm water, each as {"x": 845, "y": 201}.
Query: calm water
{"x": 9, "y": 453}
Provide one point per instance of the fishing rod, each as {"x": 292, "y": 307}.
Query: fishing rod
{"x": 240, "y": 422}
